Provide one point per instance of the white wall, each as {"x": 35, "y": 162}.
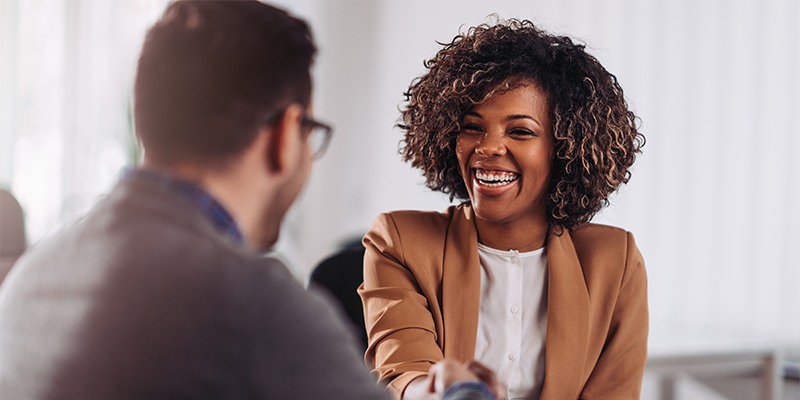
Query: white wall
{"x": 712, "y": 202}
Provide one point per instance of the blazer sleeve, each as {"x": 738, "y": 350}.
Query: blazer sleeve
{"x": 400, "y": 324}
{"x": 619, "y": 370}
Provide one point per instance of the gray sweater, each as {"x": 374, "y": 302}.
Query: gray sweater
{"x": 143, "y": 299}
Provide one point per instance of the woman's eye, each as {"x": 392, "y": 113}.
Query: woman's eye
{"x": 471, "y": 129}
{"x": 521, "y": 133}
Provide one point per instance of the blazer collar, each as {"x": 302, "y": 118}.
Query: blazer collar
{"x": 567, "y": 319}
{"x": 567, "y": 304}
{"x": 461, "y": 285}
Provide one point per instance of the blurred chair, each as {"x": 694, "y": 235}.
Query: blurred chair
{"x": 341, "y": 274}
{"x": 12, "y": 232}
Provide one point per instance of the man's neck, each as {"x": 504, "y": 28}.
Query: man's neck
{"x": 191, "y": 191}
{"x": 239, "y": 194}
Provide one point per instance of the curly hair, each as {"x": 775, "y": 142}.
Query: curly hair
{"x": 596, "y": 137}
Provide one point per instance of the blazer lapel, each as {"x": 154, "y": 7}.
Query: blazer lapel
{"x": 567, "y": 320}
{"x": 461, "y": 286}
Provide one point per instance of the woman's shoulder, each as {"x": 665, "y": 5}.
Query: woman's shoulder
{"x": 602, "y": 242}
{"x": 413, "y": 221}
{"x": 604, "y": 247}
{"x": 598, "y": 234}
{"x": 415, "y": 231}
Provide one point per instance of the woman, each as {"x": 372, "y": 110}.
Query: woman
{"x": 533, "y": 135}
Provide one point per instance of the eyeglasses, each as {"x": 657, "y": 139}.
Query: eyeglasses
{"x": 318, "y": 137}
{"x": 319, "y": 134}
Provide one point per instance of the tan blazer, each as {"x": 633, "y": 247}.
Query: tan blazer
{"x": 421, "y": 294}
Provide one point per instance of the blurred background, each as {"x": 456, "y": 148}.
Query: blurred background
{"x": 713, "y": 201}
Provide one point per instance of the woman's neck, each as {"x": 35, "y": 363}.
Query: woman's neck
{"x": 521, "y": 235}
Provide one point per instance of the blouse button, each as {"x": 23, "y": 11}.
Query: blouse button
{"x": 513, "y": 309}
{"x": 515, "y": 260}
{"x": 511, "y": 356}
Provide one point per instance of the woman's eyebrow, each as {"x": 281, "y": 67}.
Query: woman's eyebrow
{"x": 522, "y": 116}
{"x": 519, "y": 116}
{"x": 508, "y": 118}
{"x": 473, "y": 114}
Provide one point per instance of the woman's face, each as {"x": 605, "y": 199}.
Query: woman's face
{"x": 504, "y": 152}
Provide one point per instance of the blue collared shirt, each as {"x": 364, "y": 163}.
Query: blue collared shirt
{"x": 195, "y": 195}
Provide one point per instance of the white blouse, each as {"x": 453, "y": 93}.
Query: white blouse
{"x": 513, "y": 318}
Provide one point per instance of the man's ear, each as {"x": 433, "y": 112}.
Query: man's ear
{"x": 284, "y": 139}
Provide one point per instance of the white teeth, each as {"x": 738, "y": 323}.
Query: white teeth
{"x": 495, "y": 179}
{"x": 495, "y": 184}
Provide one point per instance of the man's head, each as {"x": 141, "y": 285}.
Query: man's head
{"x": 211, "y": 73}
{"x": 223, "y": 97}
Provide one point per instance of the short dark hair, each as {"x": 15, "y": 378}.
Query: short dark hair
{"x": 212, "y": 72}
{"x": 596, "y": 137}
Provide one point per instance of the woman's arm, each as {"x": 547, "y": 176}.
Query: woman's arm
{"x": 403, "y": 339}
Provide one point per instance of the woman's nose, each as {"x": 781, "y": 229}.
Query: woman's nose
{"x": 491, "y": 145}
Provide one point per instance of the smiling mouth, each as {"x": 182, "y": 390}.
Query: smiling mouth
{"x": 495, "y": 178}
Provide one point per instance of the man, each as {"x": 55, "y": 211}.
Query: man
{"x": 159, "y": 291}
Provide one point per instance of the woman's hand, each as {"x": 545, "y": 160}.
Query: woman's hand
{"x": 445, "y": 373}
{"x": 488, "y": 377}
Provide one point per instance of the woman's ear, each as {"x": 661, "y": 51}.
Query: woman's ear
{"x": 285, "y": 139}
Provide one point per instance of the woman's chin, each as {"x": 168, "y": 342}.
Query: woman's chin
{"x": 492, "y": 212}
